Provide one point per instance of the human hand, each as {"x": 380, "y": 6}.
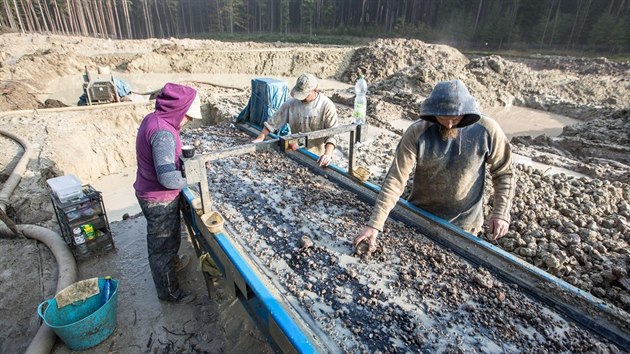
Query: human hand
{"x": 258, "y": 139}
{"x": 324, "y": 160}
{"x": 368, "y": 234}
{"x": 497, "y": 228}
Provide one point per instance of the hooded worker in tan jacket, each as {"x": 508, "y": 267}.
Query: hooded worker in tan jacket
{"x": 450, "y": 147}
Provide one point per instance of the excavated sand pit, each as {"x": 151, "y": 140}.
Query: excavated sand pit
{"x": 575, "y": 228}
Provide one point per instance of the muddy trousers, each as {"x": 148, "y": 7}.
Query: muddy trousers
{"x": 163, "y": 240}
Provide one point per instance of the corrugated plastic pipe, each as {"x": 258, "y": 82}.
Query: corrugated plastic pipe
{"x": 45, "y": 338}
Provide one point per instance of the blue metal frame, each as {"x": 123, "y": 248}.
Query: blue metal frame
{"x": 264, "y": 303}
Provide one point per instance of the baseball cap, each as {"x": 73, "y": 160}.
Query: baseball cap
{"x": 195, "y": 108}
{"x": 304, "y": 85}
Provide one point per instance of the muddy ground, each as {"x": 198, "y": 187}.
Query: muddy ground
{"x": 577, "y": 228}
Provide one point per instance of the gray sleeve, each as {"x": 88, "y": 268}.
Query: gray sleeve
{"x": 163, "y": 149}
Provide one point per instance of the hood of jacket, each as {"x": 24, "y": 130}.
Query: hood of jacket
{"x": 173, "y": 102}
{"x": 451, "y": 98}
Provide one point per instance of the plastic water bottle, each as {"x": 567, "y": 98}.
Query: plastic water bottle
{"x": 107, "y": 291}
{"x": 80, "y": 244}
{"x": 360, "y": 101}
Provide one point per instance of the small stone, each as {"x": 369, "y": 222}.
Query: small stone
{"x": 552, "y": 262}
{"x": 573, "y": 239}
{"x": 484, "y": 280}
{"x": 363, "y": 248}
{"x": 305, "y": 242}
{"x": 526, "y": 252}
{"x": 501, "y": 296}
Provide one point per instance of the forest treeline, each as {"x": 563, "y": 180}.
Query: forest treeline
{"x": 592, "y": 25}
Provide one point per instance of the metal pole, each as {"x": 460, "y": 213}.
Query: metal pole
{"x": 351, "y": 157}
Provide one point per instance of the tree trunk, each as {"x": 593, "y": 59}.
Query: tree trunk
{"x": 161, "y": 32}
{"x": 363, "y": 5}
{"x": 105, "y": 24}
{"x": 610, "y": 7}
{"x": 61, "y": 24}
{"x": 87, "y": 14}
{"x": 43, "y": 13}
{"x": 575, "y": 22}
{"x": 130, "y": 33}
{"x": 623, "y": 3}
{"x": 9, "y": 15}
{"x": 113, "y": 14}
{"x": 542, "y": 39}
{"x": 584, "y": 18}
{"x": 477, "y": 18}
{"x": 28, "y": 24}
{"x": 555, "y": 22}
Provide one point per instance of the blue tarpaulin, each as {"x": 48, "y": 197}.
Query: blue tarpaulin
{"x": 267, "y": 97}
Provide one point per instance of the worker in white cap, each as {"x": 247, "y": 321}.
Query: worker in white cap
{"x": 308, "y": 110}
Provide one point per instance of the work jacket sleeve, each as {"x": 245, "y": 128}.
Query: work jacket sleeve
{"x": 329, "y": 120}
{"x": 396, "y": 178}
{"x": 163, "y": 151}
{"x": 502, "y": 172}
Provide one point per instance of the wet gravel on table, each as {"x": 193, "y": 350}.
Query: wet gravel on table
{"x": 410, "y": 295}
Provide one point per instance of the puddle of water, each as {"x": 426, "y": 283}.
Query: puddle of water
{"x": 516, "y": 121}
{"x": 119, "y": 196}
{"x": 68, "y": 89}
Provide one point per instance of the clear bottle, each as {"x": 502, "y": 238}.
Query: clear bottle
{"x": 107, "y": 290}
{"x": 360, "y": 101}
{"x": 80, "y": 244}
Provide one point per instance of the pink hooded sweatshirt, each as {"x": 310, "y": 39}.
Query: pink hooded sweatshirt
{"x": 170, "y": 108}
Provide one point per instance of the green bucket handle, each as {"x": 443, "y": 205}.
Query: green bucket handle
{"x": 40, "y": 312}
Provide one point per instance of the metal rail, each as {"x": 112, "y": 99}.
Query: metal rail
{"x": 195, "y": 167}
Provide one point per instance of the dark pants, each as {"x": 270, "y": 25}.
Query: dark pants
{"x": 163, "y": 240}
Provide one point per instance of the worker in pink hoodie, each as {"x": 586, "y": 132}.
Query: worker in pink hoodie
{"x": 158, "y": 184}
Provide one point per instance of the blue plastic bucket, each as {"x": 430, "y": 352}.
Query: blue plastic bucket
{"x": 85, "y": 323}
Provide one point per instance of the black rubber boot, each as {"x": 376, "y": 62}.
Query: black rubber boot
{"x": 181, "y": 262}
{"x": 181, "y": 296}
{"x": 176, "y": 294}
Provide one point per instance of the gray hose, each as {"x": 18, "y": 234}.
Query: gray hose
{"x": 13, "y": 180}
{"x": 45, "y": 337}
{"x": 68, "y": 274}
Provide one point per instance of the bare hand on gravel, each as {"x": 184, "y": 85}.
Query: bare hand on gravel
{"x": 324, "y": 160}
{"x": 368, "y": 235}
{"x": 498, "y": 228}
